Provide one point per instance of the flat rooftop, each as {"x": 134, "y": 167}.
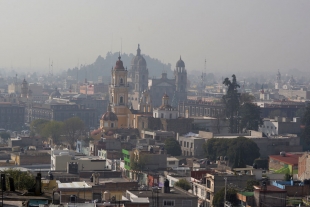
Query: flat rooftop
{"x": 174, "y": 193}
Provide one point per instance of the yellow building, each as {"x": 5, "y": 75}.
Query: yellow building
{"x": 118, "y": 91}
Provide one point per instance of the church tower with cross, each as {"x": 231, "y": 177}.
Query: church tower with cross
{"x": 118, "y": 91}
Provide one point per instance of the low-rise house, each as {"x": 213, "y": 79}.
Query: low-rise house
{"x": 61, "y": 159}
{"x": 31, "y": 158}
{"x": 269, "y": 195}
{"x": 159, "y": 197}
{"x": 284, "y": 163}
{"x": 293, "y": 188}
{"x": 192, "y": 146}
{"x": 214, "y": 182}
{"x": 172, "y": 162}
{"x": 304, "y": 166}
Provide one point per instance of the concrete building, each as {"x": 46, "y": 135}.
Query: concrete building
{"x": 304, "y": 166}
{"x": 174, "y": 197}
{"x": 269, "y": 196}
{"x": 284, "y": 163}
{"x": 192, "y": 146}
{"x": 179, "y": 125}
{"x": 214, "y": 182}
{"x": 172, "y": 162}
{"x": 288, "y": 108}
{"x": 165, "y": 111}
{"x": 61, "y": 109}
{"x": 157, "y": 135}
{"x": 11, "y": 116}
{"x": 280, "y": 125}
{"x": 61, "y": 158}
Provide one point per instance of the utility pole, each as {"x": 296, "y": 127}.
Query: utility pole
{"x": 225, "y": 178}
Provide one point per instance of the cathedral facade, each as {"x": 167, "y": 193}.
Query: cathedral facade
{"x": 139, "y": 82}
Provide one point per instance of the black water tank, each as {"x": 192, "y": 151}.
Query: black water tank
{"x": 72, "y": 199}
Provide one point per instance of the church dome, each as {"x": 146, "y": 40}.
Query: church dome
{"x": 109, "y": 116}
{"x": 138, "y": 60}
{"x": 119, "y": 64}
{"x": 180, "y": 63}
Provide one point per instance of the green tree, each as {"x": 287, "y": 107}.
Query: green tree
{"x": 138, "y": 165}
{"x": 5, "y": 135}
{"x": 250, "y": 184}
{"x": 184, "y": 184}
{"x": 173, "y": 147}
{"x": 231, "y": 196}
{"x": 246, "y": 98}
{"x": 231, "y": 101}
{"x": 53, "y": 129}
{"x": 37, "y": 126}
{"x": 239, "y": 150}
{"x": 73, "y": 127}
{"x": 250, "y": 117}
{"x": 22, "y": 180}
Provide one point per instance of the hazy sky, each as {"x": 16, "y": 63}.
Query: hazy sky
{"x": 233, "y": 35}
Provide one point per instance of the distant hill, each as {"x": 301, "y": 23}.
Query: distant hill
{"x": 102, "y": 67}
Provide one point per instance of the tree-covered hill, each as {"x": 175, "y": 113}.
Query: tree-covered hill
{"x": 102, "y": 67}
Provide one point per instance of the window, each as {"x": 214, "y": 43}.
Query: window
{"x": 121, "y": 81}
{"x": 208, "y": 183}
{"x": 161, "y": 115}
{"x": 112, "y": 125}
{"x": 121, "y": 100}
{"x": 168, "y": 202}
{"x": 171, "y": 162}
{"x": 208, "y": 195}
{"x": 191, "y": 145}
{"x": 170, "y": 116}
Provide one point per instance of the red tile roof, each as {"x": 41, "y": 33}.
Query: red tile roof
{"x": 290, "y": 159}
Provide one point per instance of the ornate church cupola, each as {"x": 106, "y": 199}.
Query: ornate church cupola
{"x": 118, "y": 92}
{"x": 165, "y": 100}
{"x": 108, "y": 120}
{"x": 180, "y": 74}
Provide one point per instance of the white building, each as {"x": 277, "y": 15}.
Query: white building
{"x": 166, "y": 111}
{"x": 172, "y": 162}
{"x": 280, "y": 125}
{"x": 61, "y": 157}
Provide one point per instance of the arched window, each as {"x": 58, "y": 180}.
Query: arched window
{"x": 112, "y": 125}
{"x": 121, "y": 100}
{"x": 121, "y": 81}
